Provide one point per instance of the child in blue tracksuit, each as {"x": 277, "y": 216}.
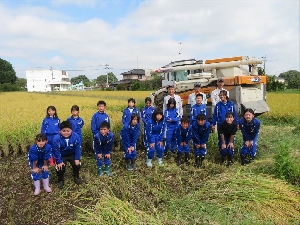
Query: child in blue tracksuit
{"x": 220, "y": 110}
{"x": 50, "y": 126}
{"x": 128, "y": 111}
{"x": 146, "y": 116}
{"x": 249, "y": 127}
{"x": 182, "y": 135}
{"x": 66, "y": 148}
{"x": 227, "y": 130}
{"x": 76, "y": 121}
{"x": 129, "y": 136}
{"x": 155, "y": 136}
{"x": 38, "y": 157}
{"x": 198, "y": 108}
{"x": 103, "y": 144}
{"x": 99, "y": 117}
{"x": 201, "y": 131}
{"x": 172, "y": 118}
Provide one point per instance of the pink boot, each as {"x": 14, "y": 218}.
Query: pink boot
{"x": 37, "y": 186}
{"x": 46, "y": 185}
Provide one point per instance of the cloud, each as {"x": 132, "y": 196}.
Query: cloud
{"x": 84, "y": 3}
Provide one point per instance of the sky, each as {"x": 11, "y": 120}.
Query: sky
{"x": 82, "y": 36}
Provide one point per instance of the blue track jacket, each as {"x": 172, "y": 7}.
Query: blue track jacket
{"x": 155, "y": 129}
{"x": 182, "y": 135}
{"x": 127, "y": 115}
{"x": 220, "y": 111}
{"x": 172, "y": 114}
{"x": 147, "y": 114}
{"x": 66, "y": 146}
{"x": 36, "y": 154}
{"x": 77, "y": 124}
{"x": 197, "y": 109}
{"x": 130, "y": 135}
{"x": 200, "y": 133}
{"x": 103, "y": 144}
{"x": 249, "y": 130}
{"x": 97, "y": 119}
{"x": 50, "y": 125}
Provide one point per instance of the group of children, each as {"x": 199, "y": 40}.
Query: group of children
{"x": 60, "y": 142}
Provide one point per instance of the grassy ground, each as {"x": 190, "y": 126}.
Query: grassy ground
{"x": 213, "y": 194}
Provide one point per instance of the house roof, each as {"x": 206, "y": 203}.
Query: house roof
{"x": 134, "y": 72}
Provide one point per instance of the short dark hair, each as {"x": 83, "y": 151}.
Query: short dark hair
{"x": 148, "y": 99}
{"x": 201, "y": 116}
{"x": 105, "y": 124}
{"x": 65, "y": 124}
{"x": 249, "y": 110}
{"x": 156, "y": 112}
{"x": 41, "y": 137}
{"x": 131, "y": 100}
{"x": 185, "y": 120}
{"x": 170, "y": 86}
{"x": 101, "y": 102}
{"x": 134, "y": 115}
{"x": 229, "y": 114}
{"x": 171, "y": 101}
{"x": 75, "y": 107}
{"x": 199, "y": 95}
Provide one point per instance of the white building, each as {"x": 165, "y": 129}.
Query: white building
{"x": 47, "y": 80}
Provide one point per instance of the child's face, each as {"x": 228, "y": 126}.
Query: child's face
{"x": 41, "y": 143}
{"x": 104, "y": 131}
{"x": 201, "y": 122}
{"x": 148, "y": 104}
{"x": 172, "y": 106}
{"x": 199, "y": 100}
{"x": 66, "y": 132}
{"x": 223, "y": 98}
{"x": 248, "y": 116}
{"x": 131, "y": 104}
{"x": 158, "y": 117}
{"x": 101, "y": 108}
{"x": 51, "y": 112}
{"x": 134, "y": 121}
{"x": 184, "y": 125}
{"x": 229, "y": 119}
{"x": 75, "y": 113}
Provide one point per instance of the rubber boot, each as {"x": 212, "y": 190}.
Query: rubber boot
{"x": 107, "y": 169}
{"x": 243, "y": 160}
{"x": 251, "y": 159}
{"x": 133, "y": 164}
{"x": 37, "y": 187}
{"x": 187, "y": 158}
{"x": 160, "y": 162}
{"x": 149, "y": 162}
{"x": 197, "y": 161}
{"x": 60, "y": 177}
{"x": 201, "y": 159}
{"x": 76, "y": 169}
{"x": 100, "y": 171}
{"x": 46, "y": 185}
{"x": 178, "y": 161}
{"x": 222, "y": 160}
{"x": 230, "y": 162}
{"x": 128, "y": 165}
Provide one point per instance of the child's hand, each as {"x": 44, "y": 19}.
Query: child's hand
{"x": 77, "y": 162}
{"x": 99, "y": 156}
{"x": 223, "y": 146}
{"x": 151, "y": 145}
{"x": 248, "y": 144}
{"x": 36, "y": 170}
{"x": 203, "y": 146}
{"x": 198, "y": 146}
{"x": 160, "y": 143}
{"x": 107, "y": 156}
{"x": 182, "y": 143}
{"x": 129, "y": 150}
{"x": 45, "y": 168}
{"x": 230, "y": 145}
{"x": 213, "y": 127}
{"x": 59, "y": 166}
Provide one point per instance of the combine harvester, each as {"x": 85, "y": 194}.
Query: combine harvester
{"x": 246, "y": 88}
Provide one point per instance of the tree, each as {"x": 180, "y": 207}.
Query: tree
{"x": 7, "y": 73}
{"x": 21, "y": 83}
{"x": 102, "y": 79}
{"x": 78, "y": 79}
{"x": 274, "y": 85}
{"x": 260, "y": 71}
{"x": 292, "y": 77}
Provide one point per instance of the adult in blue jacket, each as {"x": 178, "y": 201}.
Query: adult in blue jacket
{"x": 103, "y": 144}
{"x": 155, "y": 136}
{"x": 249, "y": 127}
{"x": 129, "y": 137}
{"x": 201, "y": 131}
{"x": 66, "y": 148}
{"x": 221, "y": 108}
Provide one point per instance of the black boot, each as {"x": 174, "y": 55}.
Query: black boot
{"x": 128, "y": 165}
{"x": 187, "y": 158}
{"x": 197, "y": 161}
{"x": 243, "y": 160}
{"x": 230, "y": 162}
{"x": 222, "y": 160}
{"x": 202, "y": 159}
{"x": 60, "y": 177}
{"x": 76, "y": 169}
{"x": 178, "y": 161}
{"x": 133, "y": 164}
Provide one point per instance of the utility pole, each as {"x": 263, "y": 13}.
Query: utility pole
{"x": 264, "y": 59}
{"x": 107, "y": 68}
